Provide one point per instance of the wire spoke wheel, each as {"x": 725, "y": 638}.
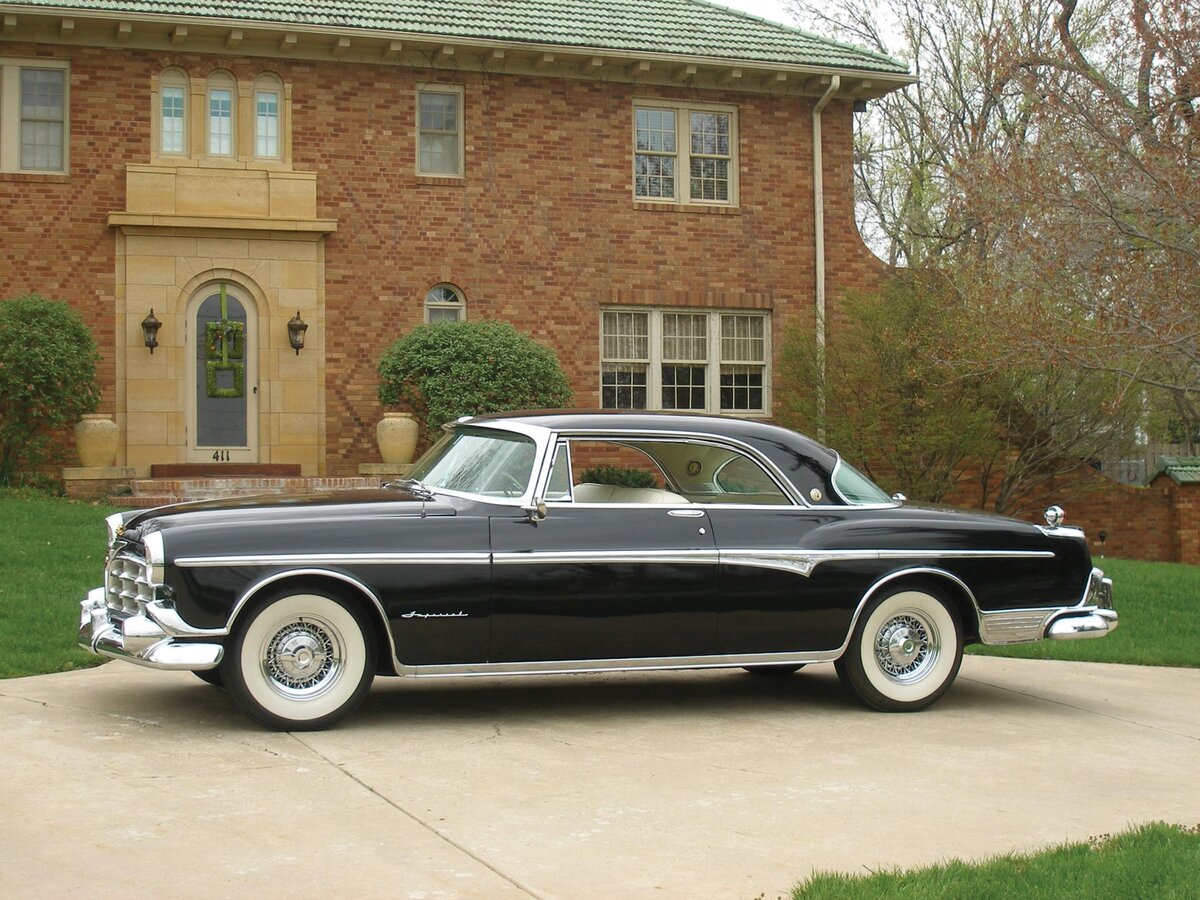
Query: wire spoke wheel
{"x": 300, "y": 661}
{"x": 905, "y": 650}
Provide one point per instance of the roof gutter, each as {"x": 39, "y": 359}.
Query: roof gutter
{"x": 819, "y": 228}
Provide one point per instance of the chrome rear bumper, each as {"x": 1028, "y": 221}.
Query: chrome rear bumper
{"x": 139, "y": 639}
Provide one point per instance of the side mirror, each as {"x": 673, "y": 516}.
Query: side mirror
{"x": 899, "y": 497}
{"x": 536, "y": 511}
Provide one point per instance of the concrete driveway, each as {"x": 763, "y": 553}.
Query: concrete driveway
{"x": 120, "y": 781}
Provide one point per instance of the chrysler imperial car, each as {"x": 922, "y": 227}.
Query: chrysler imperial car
{"x": 513, "y": 548}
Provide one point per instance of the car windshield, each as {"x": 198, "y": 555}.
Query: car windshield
{"x": 478, "y": 461}
{"x": 855, "y": 487}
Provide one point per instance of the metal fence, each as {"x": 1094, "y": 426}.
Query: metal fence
{"x": 1139, "y": 466}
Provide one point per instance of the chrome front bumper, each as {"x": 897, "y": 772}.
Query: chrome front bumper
{"x": 139, "y": 638}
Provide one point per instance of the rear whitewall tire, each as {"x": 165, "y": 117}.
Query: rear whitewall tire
{"x": 905, "y": 650}
{"x": 300, "y": 660}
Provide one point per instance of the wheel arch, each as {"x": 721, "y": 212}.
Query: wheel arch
{"x": 340, "y": 583}
{"x": 956, "y": 590}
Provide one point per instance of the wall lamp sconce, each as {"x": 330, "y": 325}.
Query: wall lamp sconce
{"x": 150, "y": 326}
{"x": 296, "y": 328}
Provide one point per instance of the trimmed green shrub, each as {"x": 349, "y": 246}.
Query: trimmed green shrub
{"x": 630, "y": 478}
{"x": 445, "y": 370}
{"x": 47, "y": 378}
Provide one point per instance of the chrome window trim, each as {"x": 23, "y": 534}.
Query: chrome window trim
{"x": 690, "y": 437}
{"x": 846, "y": 504}
{"x": 541, "y": 437}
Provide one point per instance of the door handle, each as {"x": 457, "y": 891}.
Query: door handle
{"x": 685, "y": 513}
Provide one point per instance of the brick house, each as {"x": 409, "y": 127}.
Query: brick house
{"x": 633, "y": 182}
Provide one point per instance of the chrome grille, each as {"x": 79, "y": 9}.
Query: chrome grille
{"x": 127, "y": 584}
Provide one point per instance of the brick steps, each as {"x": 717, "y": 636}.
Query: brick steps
{"x": 150, "y": 492}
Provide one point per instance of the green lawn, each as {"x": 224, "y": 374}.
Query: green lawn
{"x": 1159, "y": 605}
{"x": 53, "y": 553}
{"x": 1157, "y": 860}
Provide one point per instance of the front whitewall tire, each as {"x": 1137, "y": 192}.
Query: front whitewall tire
{"x": 300, "y": 661}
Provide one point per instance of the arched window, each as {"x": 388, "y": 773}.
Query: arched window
{"x": 445, "y": 303}
{"x": 268, "y": 116}
{"x": 222, "y": 114}
{"x": 173, "y": 103}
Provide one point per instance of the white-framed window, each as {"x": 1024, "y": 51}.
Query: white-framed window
{"x": 268, "y": 107}
{"x": 34, "y": 124}
{"x": 667, "y": 359}
{"x": 445, "y": 303}
{"x": 684, "y": 153}
{"x": 222, "y": 112}
{"x": 172, "y": 123}
{"x": 440, "y": 130}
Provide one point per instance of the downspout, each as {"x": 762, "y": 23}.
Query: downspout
{"x": 819, "y": 228}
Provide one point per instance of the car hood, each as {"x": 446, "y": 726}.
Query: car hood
{"x": 278, "y": 508}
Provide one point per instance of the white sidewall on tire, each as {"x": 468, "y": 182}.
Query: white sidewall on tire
{"x": 942, "y": 625}
{"x": 327, "y": 614}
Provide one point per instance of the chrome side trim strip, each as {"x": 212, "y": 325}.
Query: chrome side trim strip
{"x": 588, "y": 557}
{"x": 566, "y": 667}
{"x": 337, "y": 559}
{"x": 802, "y": 562}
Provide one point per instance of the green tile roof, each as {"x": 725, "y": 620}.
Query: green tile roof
{"x": 1180, "y": 469}
{"x": 693, "y": 28}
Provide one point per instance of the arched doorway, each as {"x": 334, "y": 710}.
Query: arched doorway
{"x": 223, "y": 383}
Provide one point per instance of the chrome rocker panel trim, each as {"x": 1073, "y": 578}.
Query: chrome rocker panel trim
{"x": 139, "y": 639}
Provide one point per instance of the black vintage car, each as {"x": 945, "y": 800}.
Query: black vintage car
{"x": 576, "y": 542}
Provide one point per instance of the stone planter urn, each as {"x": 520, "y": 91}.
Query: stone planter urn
{"x": 96, "y": 438}
{"x": 396, "y": 434}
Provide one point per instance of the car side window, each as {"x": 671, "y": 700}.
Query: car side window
{"x": 559, "y": 485}
{"x": 620, "y": 472}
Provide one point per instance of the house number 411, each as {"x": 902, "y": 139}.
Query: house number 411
{"x": 220, "y": 456}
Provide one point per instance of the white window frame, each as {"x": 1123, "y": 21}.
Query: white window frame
{"x": 683, "y": 151}
{"x": 10, "y": 113}
{"x": 713, "y": 360}
{"x": 221, "y": 80}
{"x": 269, "y": 84}
{"x": 459, "y": 93}
{"x": 169, "y": 79}
{"x": 432, "y": 302}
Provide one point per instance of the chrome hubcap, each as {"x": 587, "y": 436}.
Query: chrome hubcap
{"x": 303, "y": 658}
{"x": 906, "y": 647}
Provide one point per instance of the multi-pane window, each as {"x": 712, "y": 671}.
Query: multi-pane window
{"x": 444, "y": 304}
{"x": 743, "y": 361}
{"x": 220, "y": 121}
{"x": 172, "y": 127}
{"x": 626, "y": 360}
{"x": 672, "y": 139}
{"x": 43, "y": 119}
{"x": 266, "y": 124}
{"x": 709, "y": 170}
{"x": 654, "y": 161}
{"x": 34, "y": 120}
{"x": 439, "y": 132}
{"x": 686, "y": 360}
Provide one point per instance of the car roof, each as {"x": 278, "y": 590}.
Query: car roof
{"x": 777, "y": 443}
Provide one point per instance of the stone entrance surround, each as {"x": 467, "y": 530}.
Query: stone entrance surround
{"x": 185, "y": 230}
